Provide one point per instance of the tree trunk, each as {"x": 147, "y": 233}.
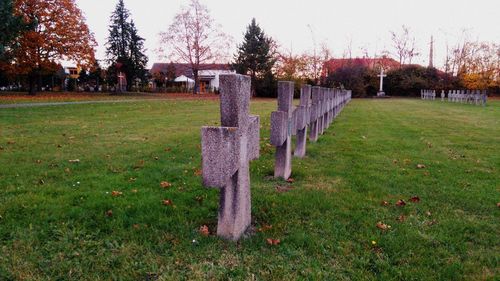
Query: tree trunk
{"x": 196, "y": 82}
{"x": 32, "y": 89}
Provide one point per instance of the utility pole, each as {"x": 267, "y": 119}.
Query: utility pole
{"x": 431, "y": 53}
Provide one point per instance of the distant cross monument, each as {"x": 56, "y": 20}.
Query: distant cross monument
{"x": 381, "y": 90}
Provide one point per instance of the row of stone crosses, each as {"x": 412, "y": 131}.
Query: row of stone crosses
{"x": 227, "y": 150}
{"x": 476, "y": 97}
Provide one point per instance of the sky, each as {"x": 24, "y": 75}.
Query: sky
{"x": 298, "y": 26}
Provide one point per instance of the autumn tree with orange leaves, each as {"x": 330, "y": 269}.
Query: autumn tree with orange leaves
{"x": 58, "y": 32}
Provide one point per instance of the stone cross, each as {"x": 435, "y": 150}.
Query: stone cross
{"x": 282, "y": 124}
{"x": 121, "y": 81}
{"x": 303, "y": 119}
{"x": 322, "y": 102}
{"x": 381, "y": 75}
{"x": 315, "y": 113}
{"x": 226, "y": 152}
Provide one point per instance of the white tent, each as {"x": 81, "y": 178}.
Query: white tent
{"x": 184, "y": 79}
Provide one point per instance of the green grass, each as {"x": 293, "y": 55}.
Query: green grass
{"x": 52, "y": 228}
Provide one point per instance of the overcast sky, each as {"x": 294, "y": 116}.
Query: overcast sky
{"x": 365, "y": 24}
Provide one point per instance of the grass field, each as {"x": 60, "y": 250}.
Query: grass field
{"x": 59, "y": 219}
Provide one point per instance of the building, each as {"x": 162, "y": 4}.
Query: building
{"x": 208, "y": 74}
{"x": 72, "y": 72}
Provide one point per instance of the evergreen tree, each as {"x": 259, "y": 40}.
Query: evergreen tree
{"x": 256, "y": 57}
{"x": 10, "y": 26}
{"x": 125, "y": 47}
{"x": 138, "y": 58}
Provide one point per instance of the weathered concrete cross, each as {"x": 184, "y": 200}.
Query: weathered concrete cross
{"x": 315, "y": 114}
{"x": 303, "y": 116}
{"x": 282, "y": 125}
{"x": 226, "y": 152}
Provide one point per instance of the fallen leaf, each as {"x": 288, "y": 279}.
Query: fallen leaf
{"x": 426, "y": 173}
{"x": 41, "y": 182}
{"x": 116, "y": 193}
{"x": 400, "y": 203}
{"x": 109, "y": 213}
{"x": 428, "y": 213}
{"x": 168, "y": 149}
{"x": 167, "y": 202}
{"x": 273, "y": 242}
{"x": 38, "y": 161}
{"x": 407, "y": 161}
{"x": 136, "y": 226}
{"x": 498, "y": 204}
{"x": 67, "y": 171}
{"x": 74, "y": 161}
{"x": 11, "y": 142}
{"x": 199, "y": 199}
{"x": 415, "y": 199}
{"x": 134, "y": 190}
{"x": 198, "y": 172}
{"x": 165, "y": 184}
{"x": 364, "y": 137}
{"x": 204, "y": 230}
{"x": 429, "y": 144}
{"x": 384, "y": 203}
{"x": 157, "y": 158}
{"x": 395, "y": 161}
{"x": 383, "y": 226}
{"x": 401, "y": 218}
{"x": 59, "y": 146}
{"x": 132, "y": 179}
{"x": 290, "y": 180}
{"x": 420, "y": 166}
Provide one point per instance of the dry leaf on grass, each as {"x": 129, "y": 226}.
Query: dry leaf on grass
{"x": 167, "y": 202}
{"x": 384, "y": 203}
{"x": 74, "y": 161}
{"x": 204, "y": 230}
{"x": 415, "y": 199}
{"x": 109, "y": 213}
{"x": 401, "y": 218}
{"x": 420, "y": 166}
{"x": 400, "y": 203}
{"x": 273, "y": 242}
{"x": 116, "y": 193}
{"x": 383, "y": 226}
{"x": 165, "y": 184}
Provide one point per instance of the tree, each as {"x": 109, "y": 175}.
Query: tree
{"x": 194, "y": 38}
{"x": 256, "y": 57}
{"x": 57, "y": 32}
{"x": 356, "y": 77}
{"x": 124, "y": 46}
{"x": 11, "y": 26}
{"x": 405, "y": 47}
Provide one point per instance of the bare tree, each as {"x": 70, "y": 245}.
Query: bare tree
{"x": 194, "y": 38}
{"x": 404, "y": 45}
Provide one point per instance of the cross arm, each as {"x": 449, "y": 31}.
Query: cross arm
{"x": 220, "y": 154}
